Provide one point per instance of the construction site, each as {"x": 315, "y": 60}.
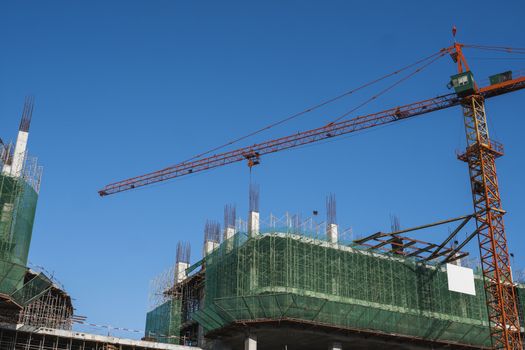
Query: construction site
{"x": 294, "y": 282}
{"x": 289, "y": 283}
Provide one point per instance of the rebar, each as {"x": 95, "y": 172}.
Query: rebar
{"x": 395, "y": 225}
{"x": 183, "y": 252}
{"x": 254, "y": 197}
{"x": 331, "y": 209}
{"x": 27, "y": 113}
{"x": 212, "y": 231}
{"x": 229, "y": 215}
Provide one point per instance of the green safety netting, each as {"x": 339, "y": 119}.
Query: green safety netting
{"x": 163, "y": 322}
{"x": 11, "y": 277}
{"x": 32, "y": 290}
{"x": 17, "y": 212}
{"x": 285, "y": 275}
{"x": 18, "y": 202}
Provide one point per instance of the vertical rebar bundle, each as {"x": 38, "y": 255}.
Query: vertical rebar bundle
{"x": 183, "y": 252}
{"x": 254, "y": 197}
{"x": 212, "y": 231}
{"x": 27, "y": 113}
{"x": 394, "y": 223}
{"x": 229, "y": 215}
{"x": 331, "y": 209}
{"x": 397, "y": 242}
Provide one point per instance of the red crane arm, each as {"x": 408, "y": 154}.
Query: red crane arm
{"x": 252, "y": 153}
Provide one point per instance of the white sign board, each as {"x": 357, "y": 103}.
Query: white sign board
{"x": 460, "y": 279}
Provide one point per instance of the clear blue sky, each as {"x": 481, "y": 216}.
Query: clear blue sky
{"x": 126, "y": 87}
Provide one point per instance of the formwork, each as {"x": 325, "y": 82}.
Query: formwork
{"x": 289, "y": 276}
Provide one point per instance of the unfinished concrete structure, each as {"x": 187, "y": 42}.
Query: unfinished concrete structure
{"x": 35, "y": 311}
{"x": 26, "y": 296}
{"x": 294, "y": 284}
{"x": 15, "y": 337}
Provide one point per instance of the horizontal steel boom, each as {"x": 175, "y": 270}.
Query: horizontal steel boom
{"x": 302, "y": 138}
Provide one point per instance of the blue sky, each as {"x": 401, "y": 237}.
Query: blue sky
{"x": 127, "y": 87}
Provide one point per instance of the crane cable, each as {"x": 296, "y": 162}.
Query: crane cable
{"x": 511, "y": 50}
{"x": 439, "y": 54}
{"x": 389, "y": 87}
{"x": 442, "y": 53}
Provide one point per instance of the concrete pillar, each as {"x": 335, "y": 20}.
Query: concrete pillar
{"x": 253, "y": 223}
{"x": 332, "y": 233}
{"x": 209, "y": 246}
{"x": 19, "y": 154}
{"x": 335, "y": 346}
{"x": 229, "y": 232}
{"x": 180, "y": 271}
{"x": 250, "y": 342}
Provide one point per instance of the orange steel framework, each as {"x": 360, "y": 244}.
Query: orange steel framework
{"x": 480, "y": 155}
{"x": 253, "y": 153}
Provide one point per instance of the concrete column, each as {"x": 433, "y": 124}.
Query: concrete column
{"x": 332, "y": 233}
{"x": 335, "y": 346}
{"x": 180, "y": 271}
{"x": 229, "y": 232}
{"x": 250, "y": 342}
{"x": 253, "y": 223}
{"x": 19, "y": 154}
{"x": 209, "y": 246}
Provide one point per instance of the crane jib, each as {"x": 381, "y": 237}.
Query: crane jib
{"x": 310, "y": 136}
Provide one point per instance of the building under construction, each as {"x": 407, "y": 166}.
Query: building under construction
{"x": 35, "y": 311}
{"x": 26, "y": 296}
{"x": 294, "y": 284}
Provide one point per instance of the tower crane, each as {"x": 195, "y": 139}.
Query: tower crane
{"x": 480, "y": 155}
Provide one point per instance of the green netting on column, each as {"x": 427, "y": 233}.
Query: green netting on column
{"x": 278, "y": 275}
{"x": 163, "y": 323}
{"x": 17, "y": 213}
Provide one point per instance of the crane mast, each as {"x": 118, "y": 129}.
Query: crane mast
{"x": 480, "y": 155}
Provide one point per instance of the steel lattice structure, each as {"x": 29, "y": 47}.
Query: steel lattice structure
{"x": 480, "y": 156}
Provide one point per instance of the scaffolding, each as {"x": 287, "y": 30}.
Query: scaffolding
{"x": 292, "y": 276}
{"x": 18, "y": 199}
{"x": 50, "y": 308}
{"x": 28, "y": 297}
{"x": 163, "y": 322}
{"x": 175, "y": 297}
